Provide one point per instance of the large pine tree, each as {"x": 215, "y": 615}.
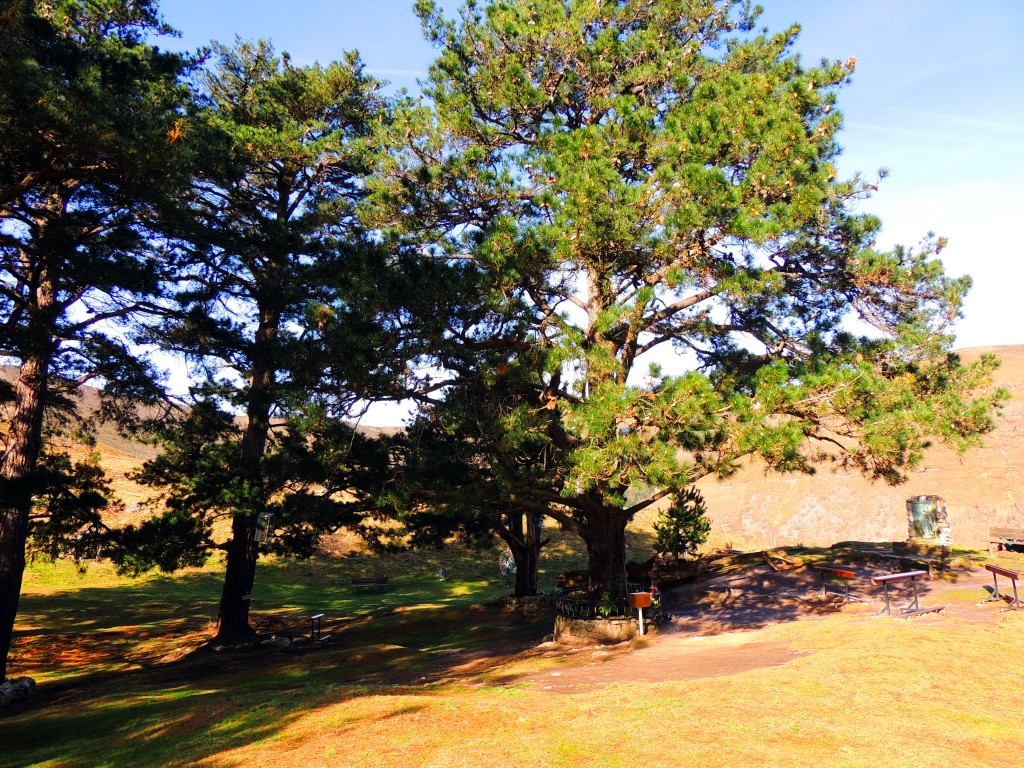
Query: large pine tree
{"x": 89, "y": 127}
{"x": 274, "y": 310}
{"x": 648, "y": 178}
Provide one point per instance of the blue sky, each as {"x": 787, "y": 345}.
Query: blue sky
{"x": 937, "y": 98}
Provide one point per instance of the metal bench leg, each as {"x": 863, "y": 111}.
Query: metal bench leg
{"x": 995, "y": 590}
{"x": 915, "y": 607}
{"x": 886, "y": 610}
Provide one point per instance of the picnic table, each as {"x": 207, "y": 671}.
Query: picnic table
{"x": 1004, "y": 538}
{"x": 316, "y": 631}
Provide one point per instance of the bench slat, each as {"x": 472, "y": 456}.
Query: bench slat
{"x": 836, "y": 570}
{"x": 898, "y": 576}
{"x": 377, "y": 582}
{"x": 1012, "y": 575}
{"x": 1006, "y": 533}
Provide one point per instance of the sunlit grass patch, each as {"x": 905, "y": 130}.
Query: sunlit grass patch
{"x": 428, "y": 674}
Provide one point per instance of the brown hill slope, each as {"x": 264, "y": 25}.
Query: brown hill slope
{"x": 754, "y": 509}
{"x": 120, "y": 455}
{"x": 981, "y": 488}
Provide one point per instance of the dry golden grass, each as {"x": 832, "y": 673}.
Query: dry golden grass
{"x": 860, "y": 692}
{"x": 425, "y": 676}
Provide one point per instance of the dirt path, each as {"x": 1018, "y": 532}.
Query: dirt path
{"x": 719, "y": 627}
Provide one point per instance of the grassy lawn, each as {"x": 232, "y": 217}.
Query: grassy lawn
{"x": 431, "y": 673}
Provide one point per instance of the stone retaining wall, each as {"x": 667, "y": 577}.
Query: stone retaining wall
{"x": 590, "y": 631}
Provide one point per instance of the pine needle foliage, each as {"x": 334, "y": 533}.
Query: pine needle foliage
{"x": 683, "y": 526}
{"x": 631, "y": 179}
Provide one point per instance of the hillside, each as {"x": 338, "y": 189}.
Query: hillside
{"x": 981, "y": 488}
{"x": 754, "y": 509}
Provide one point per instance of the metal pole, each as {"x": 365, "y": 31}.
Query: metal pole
{"x": 641, "y": 612}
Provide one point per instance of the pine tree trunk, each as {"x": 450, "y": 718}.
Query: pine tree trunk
{"x": 239, "y": 576}
{"x": 526, "y": 569}
{"x": 522, "y": 536}
{"x": 19, "y": 465}
{"x": 240, "y": 570}
{"x": 534, "y": 531}
{"x": 604, "y": 533}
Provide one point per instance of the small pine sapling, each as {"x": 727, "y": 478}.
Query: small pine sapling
{"x": 683, "y": 526}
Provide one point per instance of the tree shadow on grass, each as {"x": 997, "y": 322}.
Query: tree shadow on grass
{"x": 752, "y": 599}
{"x": 186, "y": 710}
{"x": 417, "y": 636}
{"x": 66, "y": 633}
{"x": 142, "y": 722}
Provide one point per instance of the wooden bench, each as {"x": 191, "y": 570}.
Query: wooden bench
{"x": 912, "y": 608}
{"x": 1001, "y": 538}
{"x": 998, "y": 571}
{"x": 378, "y": 582}
{"x": 843, "y": 572}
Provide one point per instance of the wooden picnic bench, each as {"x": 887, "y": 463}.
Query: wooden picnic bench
{"x": 912, "y": 608}
{"x": 377, "y": 581}
{"x": 997, "y": 571}
{"x": 843, "y": 572}
{"x": 1001, "y": 538}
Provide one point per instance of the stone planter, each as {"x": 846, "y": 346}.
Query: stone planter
{"x": 569, "y": 631}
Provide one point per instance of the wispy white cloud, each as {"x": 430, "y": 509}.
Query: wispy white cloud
{"x": 958, "y": 137}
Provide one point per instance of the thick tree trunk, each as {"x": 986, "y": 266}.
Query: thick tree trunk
{"x": 242, "y": 550}
{"x": 526, "y": 583}
{"x": 240, "y": 570}
{"x": 239, "y": 576}
{"x": 523, "y": 536}
{"x": 17, "y": 470}
{"x": 604, "y": 533}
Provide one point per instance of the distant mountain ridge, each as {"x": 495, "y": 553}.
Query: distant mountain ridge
{"x": 109, "y": 439}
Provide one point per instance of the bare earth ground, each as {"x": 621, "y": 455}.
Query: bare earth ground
{"x": 717, "y": 626}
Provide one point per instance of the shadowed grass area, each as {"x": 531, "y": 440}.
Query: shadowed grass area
{"x": 72, "y": 623}
{"x": 429, "y": 674}
{"x": 890, "y": 693}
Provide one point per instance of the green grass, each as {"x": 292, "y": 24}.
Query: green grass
{"x": 128, "y": 682}
{"x": 428, "y": 674}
